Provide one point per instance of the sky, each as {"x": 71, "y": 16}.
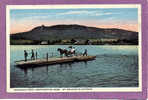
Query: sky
{"x": 22, "y": 20}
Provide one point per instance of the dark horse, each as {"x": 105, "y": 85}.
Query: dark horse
{"x": 65, "y": 52}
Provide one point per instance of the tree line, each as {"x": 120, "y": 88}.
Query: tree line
{"x": 75, "y": 42}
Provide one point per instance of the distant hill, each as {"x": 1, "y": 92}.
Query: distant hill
{"x": 80, "y": 32}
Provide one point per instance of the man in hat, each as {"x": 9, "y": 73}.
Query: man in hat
{"x": 25, "y": 55}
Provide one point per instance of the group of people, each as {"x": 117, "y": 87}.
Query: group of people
{"x": 33, "y": 55}
{"x": 73, "y": 51}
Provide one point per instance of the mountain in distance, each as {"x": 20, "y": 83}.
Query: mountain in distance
{"x": 77, "y": 32}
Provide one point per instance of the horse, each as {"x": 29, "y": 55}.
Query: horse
{"x": 62, "y": 51}
{"x": 65, "y": 52}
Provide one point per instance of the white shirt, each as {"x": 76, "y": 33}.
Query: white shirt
{"x": 72, "y": 50}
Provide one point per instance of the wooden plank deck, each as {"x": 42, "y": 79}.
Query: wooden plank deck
{"x": 40, "y": 62}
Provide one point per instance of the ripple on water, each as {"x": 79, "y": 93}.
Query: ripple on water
{"x": 115, "y": 66}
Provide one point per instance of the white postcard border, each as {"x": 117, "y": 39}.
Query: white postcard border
{"x": 79, "y": 89}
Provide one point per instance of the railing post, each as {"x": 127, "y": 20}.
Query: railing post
{"x": 47, "y": 56}
{"x": 52, "y": 54}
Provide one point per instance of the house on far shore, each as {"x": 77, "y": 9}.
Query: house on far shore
{"x": 44, "y": 42}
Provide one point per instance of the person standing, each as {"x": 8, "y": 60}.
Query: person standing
{"x": 32, "y": 55}
{"x": 85, "y": 52}
{"x": 73, "y": 50}
{"x": 25, "y": 55}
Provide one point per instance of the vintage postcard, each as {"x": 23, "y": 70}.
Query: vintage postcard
{"x": 74, "y": 48}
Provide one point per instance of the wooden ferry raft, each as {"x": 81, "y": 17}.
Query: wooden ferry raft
{"x": 50, "y": 61}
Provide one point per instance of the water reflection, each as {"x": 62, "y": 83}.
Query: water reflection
{"x": 85, "y": 63}
{"x": 59, "y": 69}
{"x": 62, "y": 67}
{"x": 32, "y": 69}
{"x": 25, "y": 71}
{"x": 70, "y": 66}
{"x": 47, "y": 69}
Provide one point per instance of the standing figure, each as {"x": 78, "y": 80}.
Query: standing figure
{"x": 32, "y": 55}
{"x": 72, "y": 51}
{"x": 25, "y": 55}
{"x": 85, "y": 52}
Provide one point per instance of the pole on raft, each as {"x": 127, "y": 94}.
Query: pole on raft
{"x": 52, "y": 54}
{"x": 47, "y": 56}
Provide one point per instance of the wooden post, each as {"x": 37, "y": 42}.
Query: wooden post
{"x": 36, "y": 55}
{"x": 52, "y": 54}
{"x": 47, "y": 56}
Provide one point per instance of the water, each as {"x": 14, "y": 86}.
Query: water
{"x": 115, "y": 66}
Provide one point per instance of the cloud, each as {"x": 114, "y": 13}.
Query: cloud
{"x": 102, "y": 14}
{"x": 85, "y": 12}
{"x": 59, "y": 15}
{"x": 36, "y": 18}
{"x": 77, "y": 12}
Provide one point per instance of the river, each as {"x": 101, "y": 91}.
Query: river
{"x": 114, "y": 66}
